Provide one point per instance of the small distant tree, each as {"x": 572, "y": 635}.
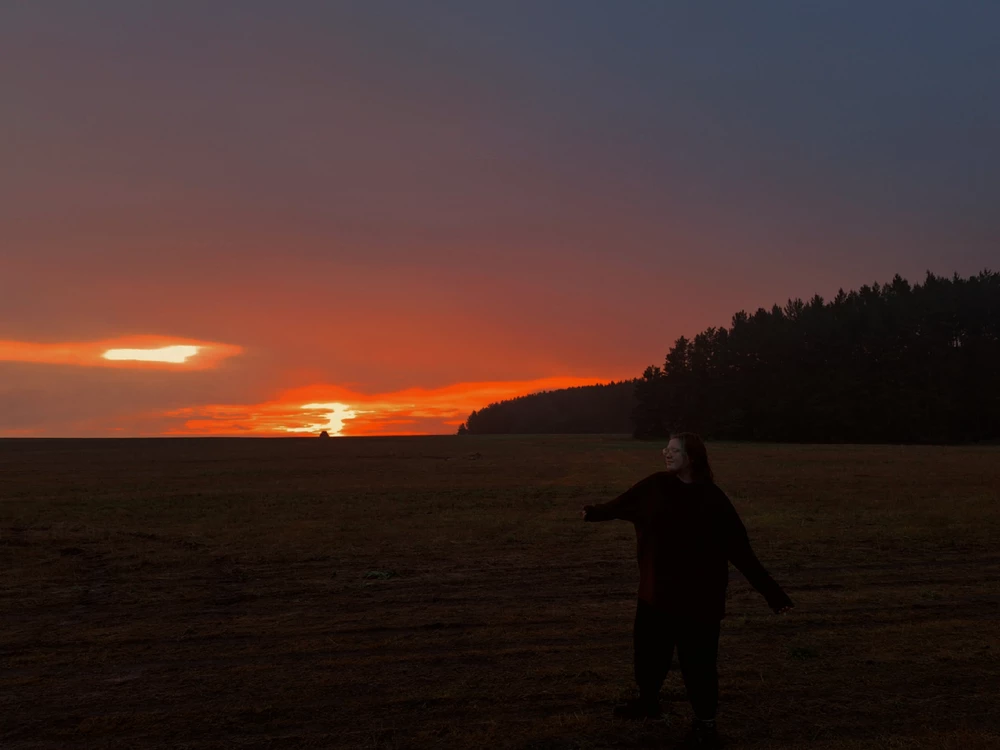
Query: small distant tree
{"x": 462, "y": 429}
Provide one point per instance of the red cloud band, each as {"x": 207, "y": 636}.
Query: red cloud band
{"x": 415, "y": 411}
{"x": 206, "y": 354}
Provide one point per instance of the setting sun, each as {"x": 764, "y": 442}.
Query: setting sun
{"x": 332, "y": 416}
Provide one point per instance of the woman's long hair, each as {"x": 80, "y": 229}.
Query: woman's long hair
{"x": 694, "y": 447}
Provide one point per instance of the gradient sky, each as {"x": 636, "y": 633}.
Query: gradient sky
{"x": 382, "y": 215}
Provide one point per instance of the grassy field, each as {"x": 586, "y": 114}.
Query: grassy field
{"x": 443, "y": 593}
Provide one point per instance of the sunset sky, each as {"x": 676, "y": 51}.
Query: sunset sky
{"x": 373, "y": 217}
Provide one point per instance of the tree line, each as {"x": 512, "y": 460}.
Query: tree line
{"x": 590, "y": 408}
{"x": 891, "y": 362}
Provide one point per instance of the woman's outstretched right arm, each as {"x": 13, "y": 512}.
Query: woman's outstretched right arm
{"x": 625, "y": 507}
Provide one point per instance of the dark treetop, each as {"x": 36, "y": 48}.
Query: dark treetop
{"x": 888, "y": 363}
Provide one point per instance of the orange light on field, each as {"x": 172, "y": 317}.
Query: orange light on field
{"x": 174, "y": 354}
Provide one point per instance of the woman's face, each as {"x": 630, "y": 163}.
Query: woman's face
{"x": 675, "y": 456}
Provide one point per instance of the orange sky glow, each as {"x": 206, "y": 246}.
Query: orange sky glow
{"x": 297, "y": 411}
{"x": 340, "y": 411}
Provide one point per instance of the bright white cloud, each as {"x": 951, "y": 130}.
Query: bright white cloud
{"x": 175, "y": 354}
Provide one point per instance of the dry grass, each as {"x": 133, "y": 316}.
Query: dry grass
{"x": 442, "y": 592}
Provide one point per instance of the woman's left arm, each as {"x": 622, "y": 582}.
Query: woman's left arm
{"x": 741, "y": 555}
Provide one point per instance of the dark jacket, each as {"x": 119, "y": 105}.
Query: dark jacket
{"x": 686, "y": 536}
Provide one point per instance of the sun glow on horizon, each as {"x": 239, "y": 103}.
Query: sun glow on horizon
{"x": 343, "y": 412}
{"x": 177, "y": 354}
{"x": 336, "y": 415}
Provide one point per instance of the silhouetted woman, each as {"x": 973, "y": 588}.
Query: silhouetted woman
{"x": 687, "y": 532}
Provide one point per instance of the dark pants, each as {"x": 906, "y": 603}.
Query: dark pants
{"x": 655, "y": 636}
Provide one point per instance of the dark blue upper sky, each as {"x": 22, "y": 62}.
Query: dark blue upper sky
{"x": 535, "y": 175}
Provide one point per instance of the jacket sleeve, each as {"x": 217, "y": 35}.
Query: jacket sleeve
{"x": 741, "y": 555}
{"x": 625, "y": 507}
